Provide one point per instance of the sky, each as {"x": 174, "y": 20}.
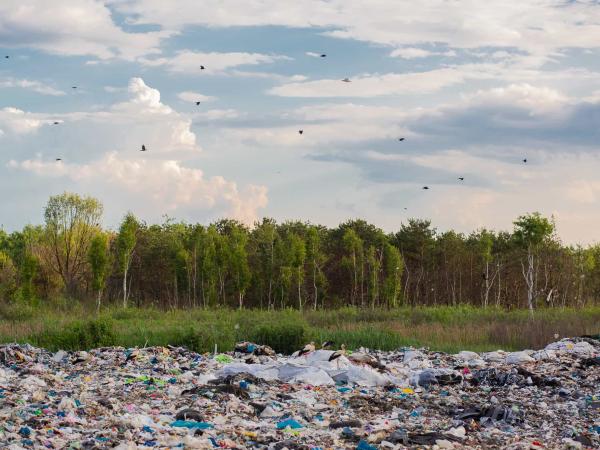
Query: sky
{"x": 473, "y": 87}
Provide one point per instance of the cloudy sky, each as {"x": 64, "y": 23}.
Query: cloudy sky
{"x": 473, "y": 87}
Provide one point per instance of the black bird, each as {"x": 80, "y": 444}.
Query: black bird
{"x": 405, "y": 209}
{"x": 143, "y": 148}
{"x": 327, "y": 344}
{"x": 300, "y": 131}
{"x": 346, "y": 80}
{"x": 73, "y": 87}
{"x": 525, "y": 160}
{"x": 425, "y": 187}
{"x": 56, "y": 123}
{"x": 401, "y": 139}
{"x": 58, "y": 159}
{"x": 201, "y": 67}
{"x": 7, "y": 56}
{"x": 461, "y": 178}
{"x": 197, "y": 103}
{"x": 323, "y": 55}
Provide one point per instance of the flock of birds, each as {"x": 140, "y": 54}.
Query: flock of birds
{"x": 354, "y": 357}
{"x": 301, "y": 131}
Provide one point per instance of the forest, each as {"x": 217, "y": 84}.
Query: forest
{"x": 293, "y": 264}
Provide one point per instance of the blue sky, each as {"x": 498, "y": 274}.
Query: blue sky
{"x": 473, "y": 87}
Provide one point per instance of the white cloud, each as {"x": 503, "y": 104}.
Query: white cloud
{"x": 217, "y": 114}
{"x": 537, "y": 26}
{"x": 157, "y": 181}
{"x": 189, "y": 96}
{"x": 189, "y": 62}
{"x": 20, "y": 122}
{"x": 36, "y": 86}
{"x": 157, "y": 185}
{"x": 536, "y": 99}
{"x": 72, "y": 27}
{"x": 387, "y": 84}
{"x": 411, "y": 53}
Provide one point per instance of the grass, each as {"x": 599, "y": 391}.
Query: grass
{"x": 450, "y": 329}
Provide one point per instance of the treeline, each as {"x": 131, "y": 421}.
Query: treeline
{"x": 293, "y": 264}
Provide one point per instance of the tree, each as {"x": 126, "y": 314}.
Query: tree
{"x": 353, "y": 246}
{"x": 8, "y": 275}
{"x": 126, "y": 241}
{"x": 298, "y": 256}
{"x": 264, "y": 237}
{"x": 316, "y": 259}
{"x": 531, "y": 231}
{"x": 98, "y": 259}
{"x": 238, "y": 260}
{"x": 71, "y": 222}
{"x": 393, "y": 266}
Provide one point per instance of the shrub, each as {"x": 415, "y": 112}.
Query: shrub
{"x": 80, "y": 335}
{"x": 283, "y": 338}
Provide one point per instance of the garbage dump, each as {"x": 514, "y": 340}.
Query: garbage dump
{"x": 170, "y": 397}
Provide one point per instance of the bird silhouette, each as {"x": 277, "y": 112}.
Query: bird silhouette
{"x": 73, "y": 87}
{"x": 401, "y": 139}
{"x": 7, "y": 56}
{"x": 201, "y": 67}
{"x": 300, "y": 131}
{"x": 525, "y": 160}
{"x": 59, "y": 159}
{"x": 323, "y": 55}
{"x": 56, "y": 123}
{"x": 143, "y": 148}
{"x": 197, "y": 103}
{"x": 405, "y": 209}
{"x": 346, "y": 80}
{"x": 425, "y": 187}
{"x": 461, "y": 178}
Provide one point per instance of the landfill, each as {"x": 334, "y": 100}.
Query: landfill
{"x": 171, "y": 397}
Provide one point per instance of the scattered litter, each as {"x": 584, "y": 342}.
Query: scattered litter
{"x": 170, "y": 397}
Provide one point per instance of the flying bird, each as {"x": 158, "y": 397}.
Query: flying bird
{"x": 401, "y": 139}
{"x": 300, "y": 131}
{"x": 56, "y": 123}
{"x": 201, "y": 67}
{"x": 425, "y": 187}
{"x": 525, "y": 160}
{"x": 73, "y": 87}
{"x": 461, "y": 178}
{"x": 323, "y": 55}
{"x": 197, "y": 103}
{"x": 58, "y": 159}
{"x": 346, "y": 80}
{"x": 143, "y": 148}
{"x": 307, "y": 349}
{"x": 7, "y": 56}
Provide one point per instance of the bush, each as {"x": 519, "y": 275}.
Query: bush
{"x": 17, "y": 312}
{"x": 80, "y": 335}
{"x": 283, "y": 338}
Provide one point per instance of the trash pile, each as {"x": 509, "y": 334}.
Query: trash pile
{"x": 171, "y": 397}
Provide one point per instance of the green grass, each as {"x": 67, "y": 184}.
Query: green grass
{"x": 71, "y": 326}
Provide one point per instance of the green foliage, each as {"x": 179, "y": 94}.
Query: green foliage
{"x": 441, "y": 328}
{"x": 531, "y": 230}
{"x": 98, "y": 259}
{"x": 71, "y": 221}
{"x": 79, "y": 335}
{"x": 282, "y": 337}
